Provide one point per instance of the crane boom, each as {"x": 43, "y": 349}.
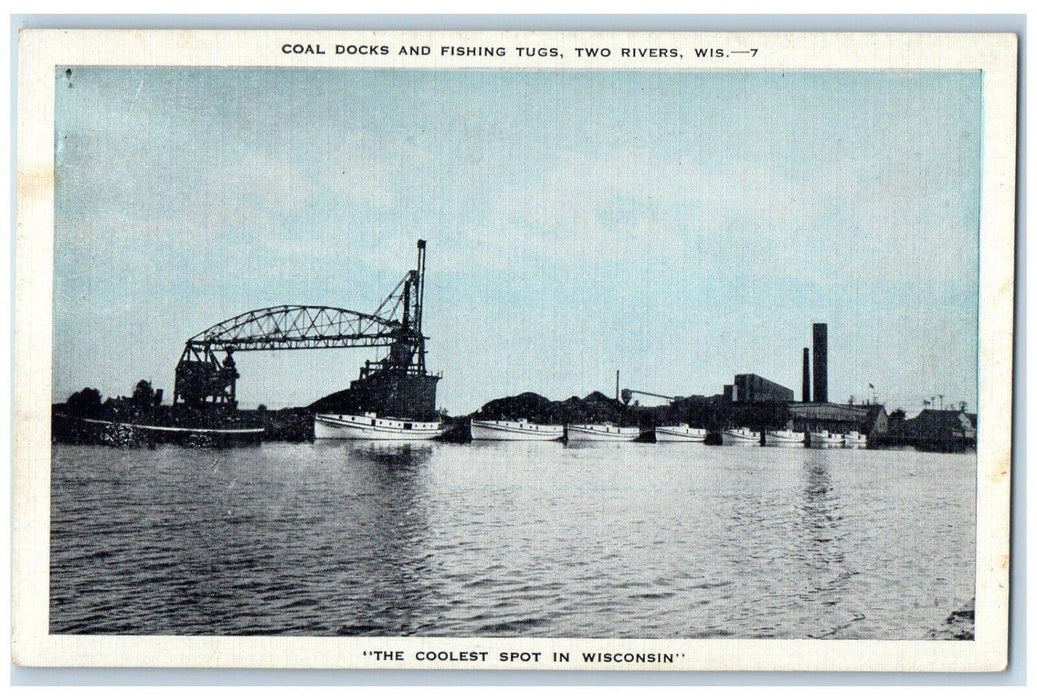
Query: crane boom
{"x": 627, "y": 394}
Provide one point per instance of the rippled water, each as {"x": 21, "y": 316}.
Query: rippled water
{"x": 534, "y": 539}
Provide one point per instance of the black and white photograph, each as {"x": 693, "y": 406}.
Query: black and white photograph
{"x": 514, "y": 350}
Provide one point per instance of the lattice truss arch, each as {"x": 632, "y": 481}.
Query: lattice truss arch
{"x": 203, "y": 378}
{"x": 295, "y": 327}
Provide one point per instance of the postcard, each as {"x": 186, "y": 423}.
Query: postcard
{"x": 514, "y": 350}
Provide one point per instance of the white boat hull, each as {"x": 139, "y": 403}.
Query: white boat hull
{"x": 855, "y": 440}
{"x": 679, "y": 433}
{"x": 246, "y": 432}
{"x": 600, "y": 433}
{"x": 110, "y": 432}
{"x": 826, "y": 440}
{"x": 346, "y": 427}
{"x": 737, "y": 437}
{"x": 515, "y": 430}
{"x": 785, "y": 437}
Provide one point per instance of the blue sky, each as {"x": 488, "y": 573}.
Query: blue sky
{"x": 679, "y": 226}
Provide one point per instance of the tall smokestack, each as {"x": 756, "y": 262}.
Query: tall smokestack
{"x": 806, "y": 376}
{"x": 821, "y": 362}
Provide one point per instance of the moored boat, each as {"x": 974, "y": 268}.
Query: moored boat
{"x": 679, "y": 433}
{"x": 600, "y": 432}
{"x": 133, "y": 432}
{"x": 825, "y": 438}
{"x": 515, "y": 430}
{"x": 329, "y": 426}
{"x": 741, "y": 436}
{"x": 855, "y": 439}
{"x": 785, "y": 437}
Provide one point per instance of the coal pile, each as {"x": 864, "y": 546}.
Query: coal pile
{"x": 593, "y": 408}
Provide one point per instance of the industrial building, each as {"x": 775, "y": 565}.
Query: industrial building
{"x": 752, "y": 400}
{"x": 941, "y": 430}
{"x": 838, "y": 418}
{"x": 751, "y": 388}
{"x": 758, "y": 403}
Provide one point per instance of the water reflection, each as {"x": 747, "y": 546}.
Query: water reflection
{"x": 388, "y": 581}
{"x": 395, "y": 454}
{"x": 820, "y": 514}
{"x": 825, "y": 573}
{"x": 592, "y": 445}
